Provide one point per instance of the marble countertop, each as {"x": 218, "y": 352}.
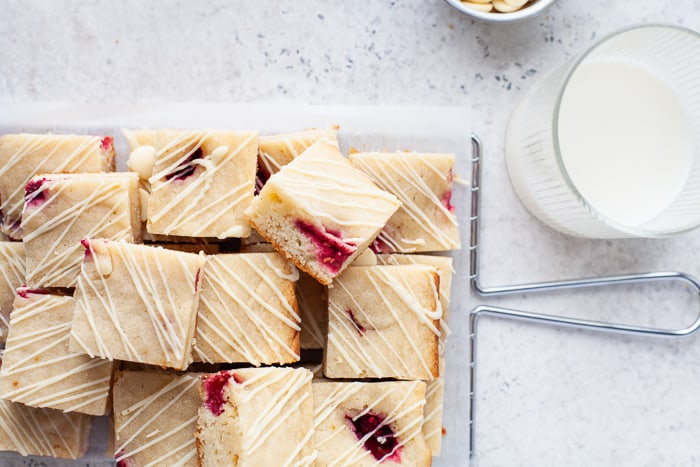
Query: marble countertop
{"x": 545, "y": 396}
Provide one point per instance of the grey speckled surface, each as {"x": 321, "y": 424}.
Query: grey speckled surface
{"x": 545, "y": 396}
{"x": 313, "y": 51}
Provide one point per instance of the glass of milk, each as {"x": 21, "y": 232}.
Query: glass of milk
{"x": 608, "y": 145}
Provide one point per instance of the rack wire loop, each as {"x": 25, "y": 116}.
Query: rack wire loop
{"x": 509, "y": 313}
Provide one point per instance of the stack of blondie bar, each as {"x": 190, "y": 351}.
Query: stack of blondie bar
{"x": 232, "y": 299}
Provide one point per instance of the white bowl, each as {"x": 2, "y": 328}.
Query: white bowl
{"x": 535, "y": 8}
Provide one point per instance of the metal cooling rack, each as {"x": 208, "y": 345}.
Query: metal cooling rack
{"x": 556, "y": 320}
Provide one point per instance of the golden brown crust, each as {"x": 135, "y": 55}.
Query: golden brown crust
{"x": 291, "y": 298}
{"x": 435, "y": 369}
{"x": 198, "y": 443}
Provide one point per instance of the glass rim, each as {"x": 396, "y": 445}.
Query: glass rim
{"x": 572, "y": 67}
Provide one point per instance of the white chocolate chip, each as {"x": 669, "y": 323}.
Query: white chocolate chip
{"x": 98, "y": 246}
{"x": 219, "y": 152}
{"x": 366, "y": 258}
{"x": 142, "y": 160}
{"x": 101, "y": 257}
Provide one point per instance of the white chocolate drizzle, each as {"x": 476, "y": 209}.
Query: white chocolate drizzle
{"x": 402, "y": 178}
{"x": 327, "y": 188}
{"x": 292, "y": 276}
{"x": 226, "y": 313}
{"x": 12, "y": 257}
{"x": 398, "y": 415}
{"x": 444, "y": 268}
{"x": 59, "y": 263}
{"x": 355, "y": 197}
{"x": 38, "y": 328}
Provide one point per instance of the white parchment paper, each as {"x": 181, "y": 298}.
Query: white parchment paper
{"x": 436, "y": 129}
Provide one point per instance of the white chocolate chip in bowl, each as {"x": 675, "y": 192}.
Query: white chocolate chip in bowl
{"x": 480, "y": 6}
{"x": 503, "y": 7}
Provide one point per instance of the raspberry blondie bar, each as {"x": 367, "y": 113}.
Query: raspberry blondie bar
{"x": 136, "y": 303}
{"x": 383, "y": 322}
{"x": 247, "y": 310}
{"x": 320, "y": 212}
{"x": 200, "y": 181}
{"x": 39, "y": 370}
{"x": 256, "y": 416}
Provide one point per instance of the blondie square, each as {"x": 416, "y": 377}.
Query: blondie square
{"x": 63, "y": 209}
{"x": 366, "y": 424}
{"x": 200, "y": 181}
{"x": 136, "y": 303}
{"x": 247, "y": 310}
{"x": 155, "y": 418}
{"x": 423, "y": 182}
{"x": 320, "y": 212}
{"x": 24, "y": 155}
{"x": 255, "y": 417}
{"x": 383, "y": 322}
{"x": 38, "y": 369}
